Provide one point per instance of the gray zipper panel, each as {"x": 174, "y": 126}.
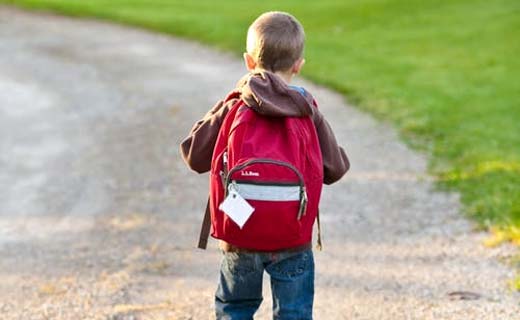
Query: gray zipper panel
{"x": 268, "y": 192}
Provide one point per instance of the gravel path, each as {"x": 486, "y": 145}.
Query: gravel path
{"x": 99, "y": 216}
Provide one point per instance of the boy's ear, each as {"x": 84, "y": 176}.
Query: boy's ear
{"x": 250, "y": 61}
{"x": 297, "y": 66}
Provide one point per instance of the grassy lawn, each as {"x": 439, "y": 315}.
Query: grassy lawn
{"x": 446, "y": 73}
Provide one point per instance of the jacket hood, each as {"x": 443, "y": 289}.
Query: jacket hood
{"x": 269, "y": 95}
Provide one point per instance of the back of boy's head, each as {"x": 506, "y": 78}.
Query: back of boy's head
{"x": 275, "y": 40}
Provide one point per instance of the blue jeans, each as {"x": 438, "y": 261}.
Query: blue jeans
{"x": 239, "y": 293}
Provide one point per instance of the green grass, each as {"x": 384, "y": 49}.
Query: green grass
{"x": 446, "y": 73}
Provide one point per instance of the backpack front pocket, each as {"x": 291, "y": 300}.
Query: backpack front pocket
{"x": 276, "y": 191}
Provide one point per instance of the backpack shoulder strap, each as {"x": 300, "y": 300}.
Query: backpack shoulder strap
{"x": 319, "y": 245}
{"x": 205, "y": 229}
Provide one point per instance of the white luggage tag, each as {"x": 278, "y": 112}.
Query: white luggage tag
{"x": 236, "y": 207}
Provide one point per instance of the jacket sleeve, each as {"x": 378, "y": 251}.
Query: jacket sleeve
{"x": 197, "y": 148}
{"x": 335, "y": 161}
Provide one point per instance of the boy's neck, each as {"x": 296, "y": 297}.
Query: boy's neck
{"x": 285, "y": 76}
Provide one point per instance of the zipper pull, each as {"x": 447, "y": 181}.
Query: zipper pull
{"x": 303, "y": 203}
{"x": 225, "y": 160}
{"x": 222, "y": 177}
{"x": 224, "y": 171}
{"x": 232, "y": 187}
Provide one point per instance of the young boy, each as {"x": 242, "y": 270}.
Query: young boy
{"x": 275, "y": 44}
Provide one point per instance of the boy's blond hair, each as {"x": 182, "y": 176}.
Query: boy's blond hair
{"x": 275, "y": 40}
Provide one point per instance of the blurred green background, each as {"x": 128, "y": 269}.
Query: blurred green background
{"x": 445, "y": 73}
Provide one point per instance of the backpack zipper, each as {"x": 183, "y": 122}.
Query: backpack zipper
{"x": 265, "y": 160}
{"x": 267, "y": 183}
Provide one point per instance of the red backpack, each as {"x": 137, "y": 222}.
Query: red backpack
{"x": 275, "y": 164}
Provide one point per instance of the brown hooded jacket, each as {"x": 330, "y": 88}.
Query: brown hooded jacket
{"x": 268, "y": 95}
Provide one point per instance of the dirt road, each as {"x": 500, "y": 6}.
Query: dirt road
{"x": 99, "y": 216}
